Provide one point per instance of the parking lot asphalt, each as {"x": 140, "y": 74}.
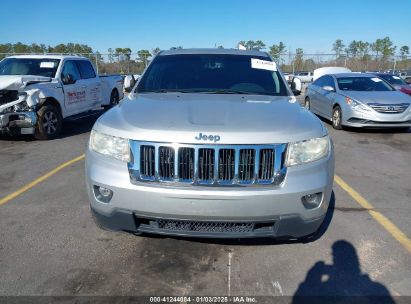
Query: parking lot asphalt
{"x": 49, "y": 244}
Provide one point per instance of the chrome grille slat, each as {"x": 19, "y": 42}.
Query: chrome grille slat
{"x": 247, "y": 163}
{"x": 186, "y": 164}
{"x": 147, "y": 161}
{"x": 212, "y": 165}
{"x": 206, "y": 164}
{"x": 166, "y": 163}
{"x": 266, "y": 164}
{"x": 226, "y": 164}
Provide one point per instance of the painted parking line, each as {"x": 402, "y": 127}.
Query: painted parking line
{"x": 381, "y": 219}
{"x": 39, "y": 180}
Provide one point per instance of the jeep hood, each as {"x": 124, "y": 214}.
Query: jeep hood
{"x": 237, "y": 119}
{"x": 17, "y": 82}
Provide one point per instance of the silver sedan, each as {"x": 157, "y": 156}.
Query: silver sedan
{"x": 358, "y": 100}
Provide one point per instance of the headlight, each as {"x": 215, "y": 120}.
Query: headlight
{"x": 111, "y": 146}
{"x": 356, "y": 105}
{"x": 307, "y": 151}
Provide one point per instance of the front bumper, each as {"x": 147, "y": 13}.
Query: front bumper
{"x": 18, "y": 122}
{"x": 374, "y": 119}
{"x": 272, "y": 211}
{"x": 366, "y": 123}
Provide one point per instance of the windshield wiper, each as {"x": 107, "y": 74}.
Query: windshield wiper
{"x": 170, "y": 91}
{"x": 202, "y": 91}
{"x": 227, "y": 92}
{"x": 237, "y": 92}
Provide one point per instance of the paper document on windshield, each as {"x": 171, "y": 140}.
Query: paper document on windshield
{"x": 263, "y": 64}
{"x": 47, "y": 64}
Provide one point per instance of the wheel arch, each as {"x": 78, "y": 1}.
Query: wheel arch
{"x": 115, "y": 90}
{"x": 109, "y": 104}
{"x": 40, "y": 132}
{"x": 51, "y": 101}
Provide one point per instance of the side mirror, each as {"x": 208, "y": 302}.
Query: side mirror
{"x": 328, "y": 88}
{"x": 129, "y": 83}
{"x": 296, "y": 86}
{"x": 67, "y": 79}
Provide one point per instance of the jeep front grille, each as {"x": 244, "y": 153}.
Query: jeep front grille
{"x": 213, "y": 165}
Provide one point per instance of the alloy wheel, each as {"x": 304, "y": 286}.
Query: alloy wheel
{"x": 50, "y": 122}
{"x": 307, "y": 104}
{"x": 336, "y": 117}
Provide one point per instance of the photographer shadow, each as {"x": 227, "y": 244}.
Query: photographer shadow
{"x": 340, "y": 282}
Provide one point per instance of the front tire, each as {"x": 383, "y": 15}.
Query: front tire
{"x": 307, "y": 104}
{"x": 337, "y": 118}
{"x": 49, "y": 123}
{"x": 114, "y": 99}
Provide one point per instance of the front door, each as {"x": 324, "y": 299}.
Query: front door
{"x": 91, "y": 83}
{"x": 74, "y": 90}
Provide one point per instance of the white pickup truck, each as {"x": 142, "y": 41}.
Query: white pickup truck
{"x": 305, "y": 76}
{"x": 38, "y": 91}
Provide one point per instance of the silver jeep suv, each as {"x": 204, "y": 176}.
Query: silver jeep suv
{"x": 210, "y": 143}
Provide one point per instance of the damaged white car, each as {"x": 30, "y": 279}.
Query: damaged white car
{"x": 38, "y": 91}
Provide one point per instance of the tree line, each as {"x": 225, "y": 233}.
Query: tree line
{"x": 21, "y": 48}
{"x": 357, "y": 55}
{"x": 117, "y": 60}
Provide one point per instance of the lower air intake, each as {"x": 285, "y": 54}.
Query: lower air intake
{"x": 194, "y": 226}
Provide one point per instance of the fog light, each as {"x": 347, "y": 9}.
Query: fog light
{"x": 104, "y": 191}
{"x": 311, "y": 201}
{"x": 103, "y": 194}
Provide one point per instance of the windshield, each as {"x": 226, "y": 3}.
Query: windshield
{"x": 211, "y": 73}
{"x": 29, "y": 66}
{"x": 363, "y": 84}
{"x": 393, "y": 79}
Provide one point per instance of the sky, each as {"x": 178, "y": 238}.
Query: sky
{"x": 312, "y": 24}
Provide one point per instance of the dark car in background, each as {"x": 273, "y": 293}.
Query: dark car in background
{"x": 396, "y": 81}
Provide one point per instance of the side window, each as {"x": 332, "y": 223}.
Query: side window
{"x": 86, "y": 69}
{"x": 70, "y": 68}
{"x": 319, "y": 82}
{"x": 329, "y": 81}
